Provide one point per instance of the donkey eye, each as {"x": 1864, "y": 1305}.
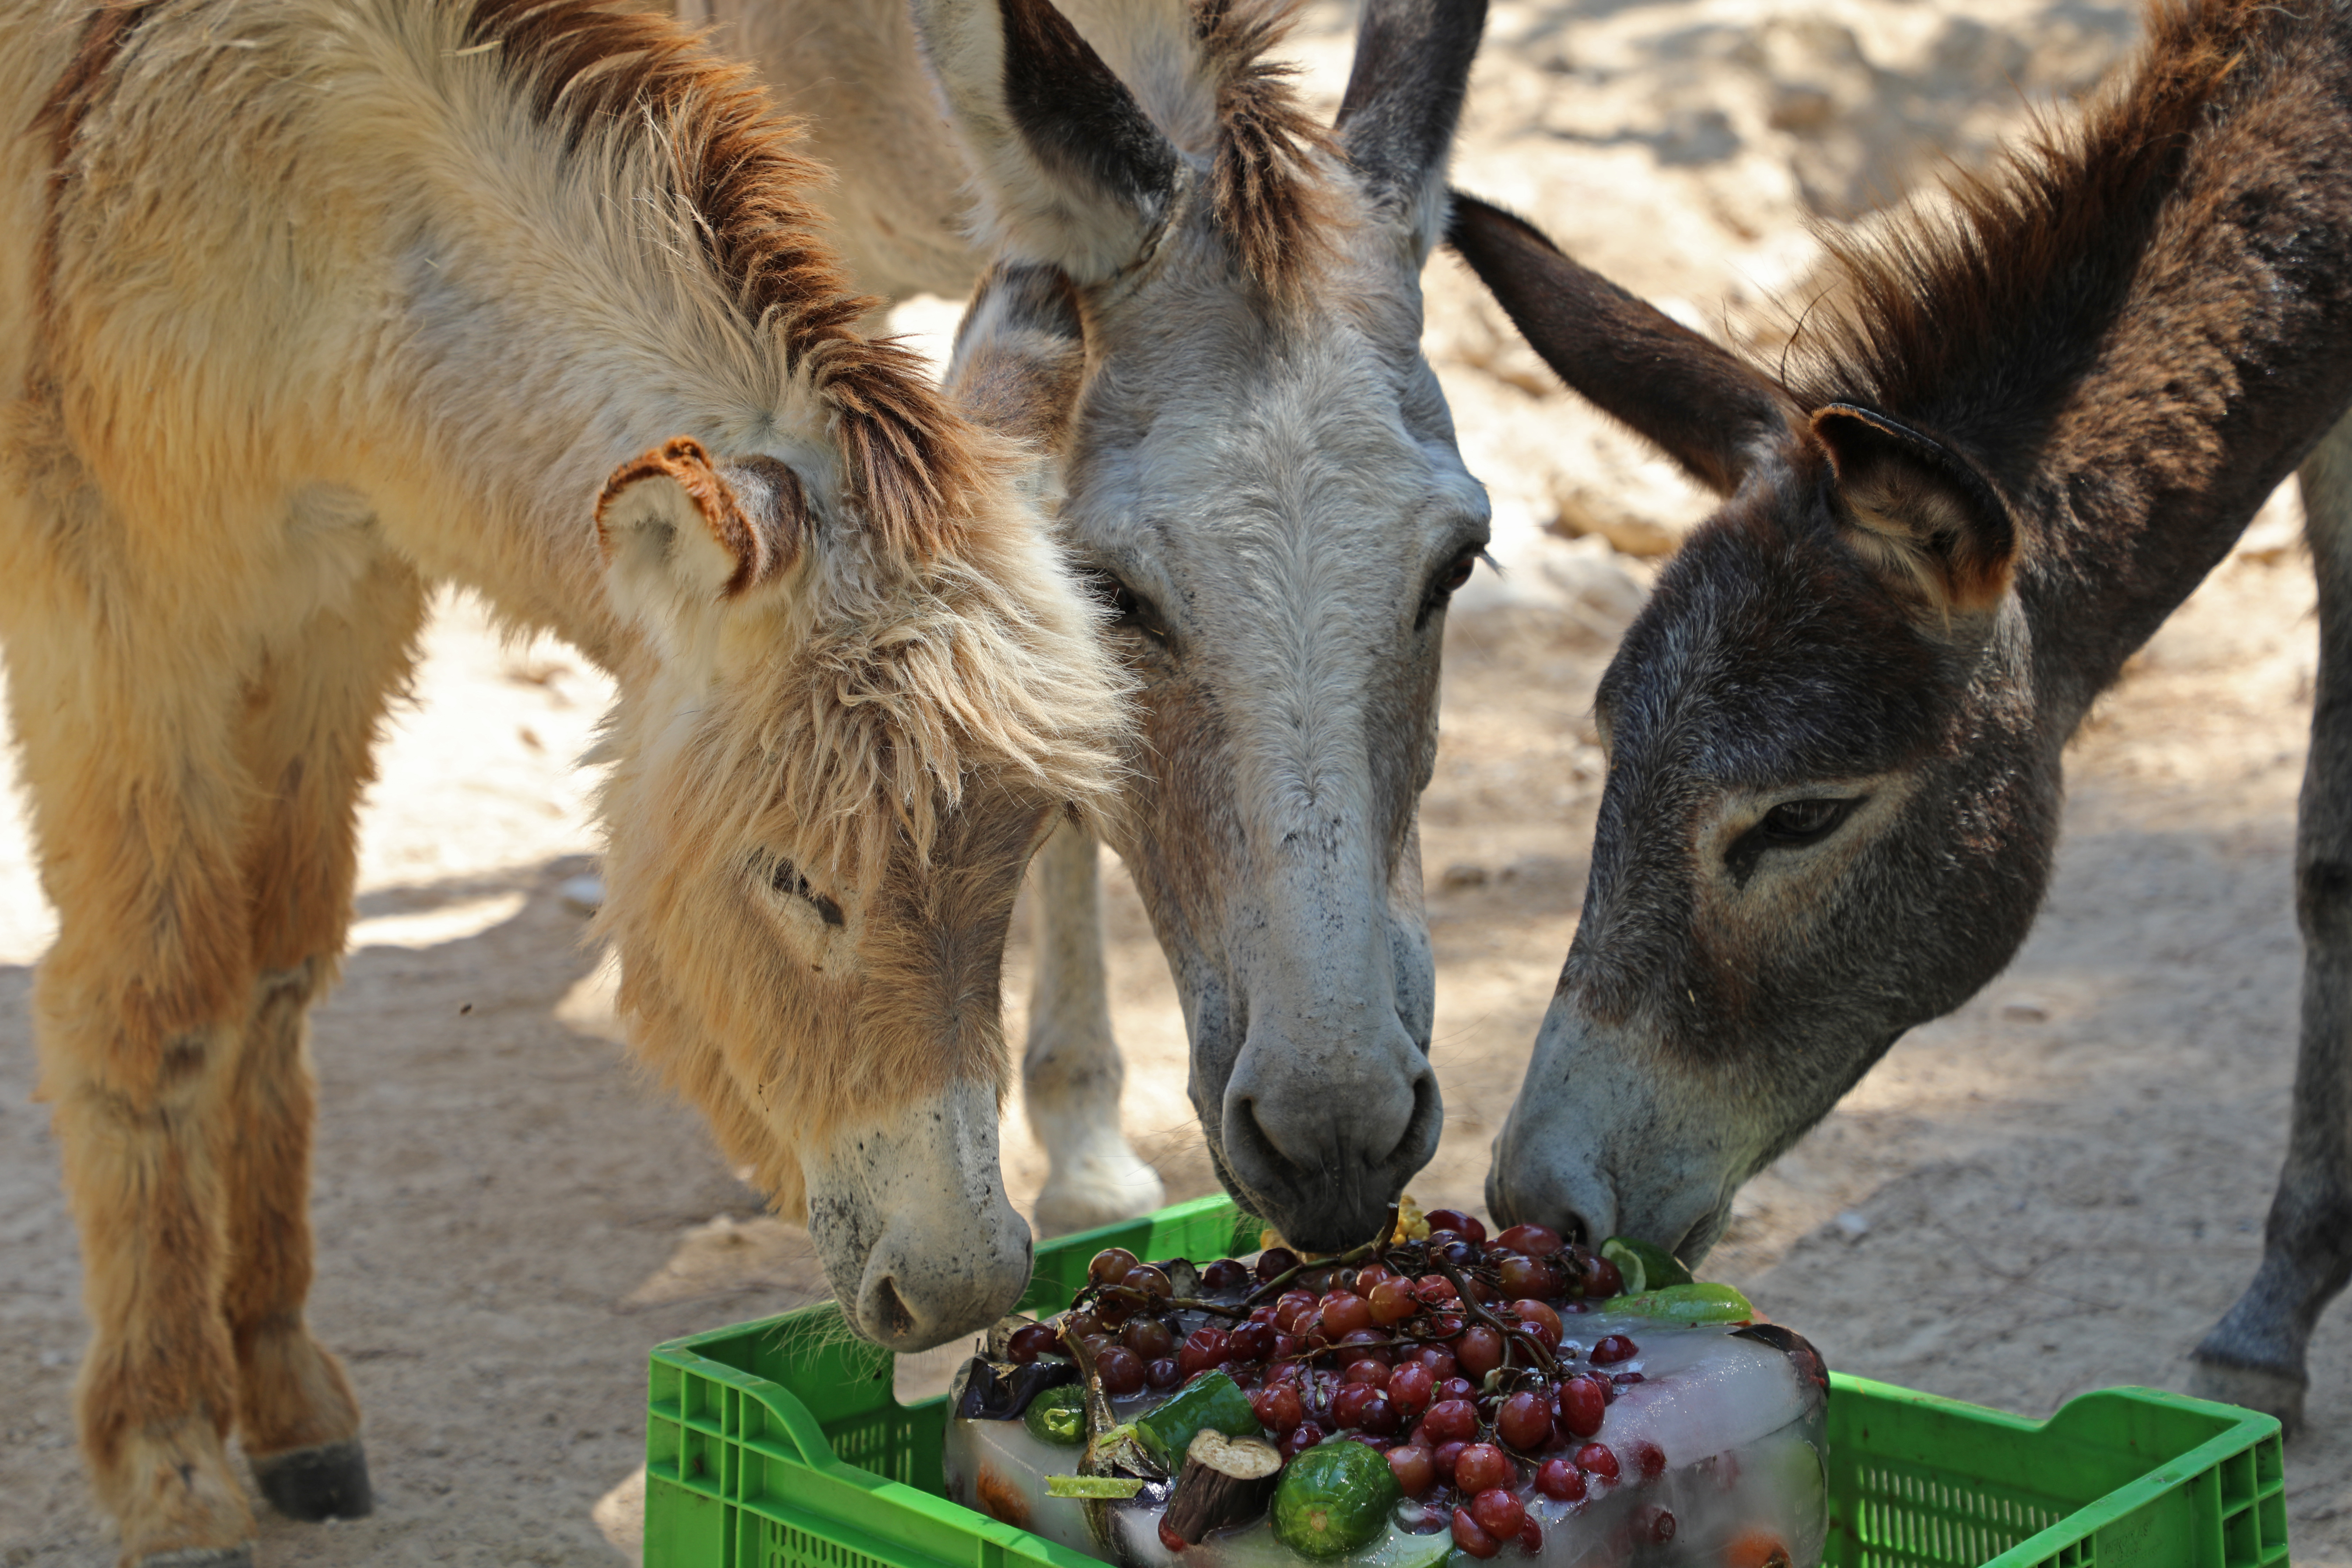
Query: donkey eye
{"x": 1793, "y": 823}
{"x": 1130, "y": 609}
{"x": 785, "y": 878}
{"x": 1451, "y": 577}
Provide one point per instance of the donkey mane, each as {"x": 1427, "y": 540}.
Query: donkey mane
{"x": 2044, "y": 250}
{"x": 1264, "y": 190}
{"x": 910, "y": 461}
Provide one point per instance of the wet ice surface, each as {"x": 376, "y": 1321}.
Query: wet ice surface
{"x": 1741, "y": 1432}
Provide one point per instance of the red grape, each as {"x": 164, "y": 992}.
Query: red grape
{"x": 1414, "y": 1470}
{"x": 1652, "y": 1523}
{"x": 1602, "y": 1278}
{"x": 1251, "y": 1342}
{"x": 1367, "y": 1370}
{"x": 1614, "y": 1349}
{"x": 1392, "y": 1301}
{"x": 1287, "y": 1345}
{"x": 1524, "y": 1423}
{"x": 1149, "y": 1338}
{"x": 1348, "y": 1404}
{"x": 1532, "y": 1537}
{"x": 1624, "y": 1379}
{"x": 1438, "y": 1360}
{"x": 1455, "y": 1220}
{"x": 1110, "y": 1266}
{"x": 1470, "y": 1538}
{"x": 1454, "y": 1388}
{"x": 1033, "y": 1340}
{"x": 1526, "y": 1277}
{"x": 1452, "y": 1419}
{"x": 1372, "y": 1274}
{"x": 1479, "y": 1350}
{"x": 1345, "y": 1312}
{"x": 1594, "y": 1458}
{"x": 1275, "y": 1262}
{"x": 1163, "y": 1372}
{"x": 1410, "y": 1385}
{"x": 1481, "y": 1466}
{"x": 1434, "y": 1289}
{"x": 1277, "y": 1408}
{"x": 1225, "y": 1274}
{"x": 1291, "y": 1309}
{"x": 1445, "y": 1457}
{"x": 1539, "y": 1320}
{"x": 1300, "y": 1439}
{"x": 1456, "y": 1250}
{"x": 1206, "y": 1347}
{"x": 1582, "y": 1405}
{"x": 1537, "y": 1240}
{"x": 1151, "y": 1281}
{"x": 1444, "y": 1326}
{"x": 1498, "y": 1513}
{"x": 1367, "y": 1344}
{"x": 1121, "y": 1370}
{"x": 1560, "y": 1480}
{"x": 1649, "y": 1461}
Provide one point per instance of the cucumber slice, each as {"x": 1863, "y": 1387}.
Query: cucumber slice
{"x": 1334, "y": 1499}
{"x": 1115, "y": 1486}
{"x": 1697, "y": 1303}
{"x": 1644, "y": 1265}
{"x": 1211, "y": 1400}
{"x": 1057, "y": 1416}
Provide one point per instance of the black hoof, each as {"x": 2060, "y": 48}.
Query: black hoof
{"x": 200, "y": 1557}
{"x": 326, "y": 1480}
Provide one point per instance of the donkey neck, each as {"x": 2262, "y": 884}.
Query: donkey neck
{"x": 2137, "y": 327}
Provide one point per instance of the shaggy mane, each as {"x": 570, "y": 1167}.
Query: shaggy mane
{"x": 2042, "y": 250}
{"x": 909, "y": 461}
{"x": 1264, "y": 190}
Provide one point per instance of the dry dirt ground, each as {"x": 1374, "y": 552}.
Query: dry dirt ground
{"x": 2058, "y": 1188}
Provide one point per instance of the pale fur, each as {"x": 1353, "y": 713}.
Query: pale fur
{"x": 322, "y": 310}
{"x": 1277, "y": 472}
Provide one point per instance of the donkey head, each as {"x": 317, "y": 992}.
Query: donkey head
{"x": 1829, "y": 812}
{"x": 825, "y": 790}
{"x": 1221, "y": 300}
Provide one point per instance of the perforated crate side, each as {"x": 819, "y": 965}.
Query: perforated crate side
{"x": 2123, "y": 1479}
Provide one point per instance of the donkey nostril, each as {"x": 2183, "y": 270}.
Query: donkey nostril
{"x": 897, "y": 1322}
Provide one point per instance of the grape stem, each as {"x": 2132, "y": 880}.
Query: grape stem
{"x": 1274, "y": 1284}
{"x": 1475, "y": 1311}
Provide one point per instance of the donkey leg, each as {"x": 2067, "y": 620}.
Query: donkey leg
{"x": 2255, "y": 1355}
{"x": 309, "y": 726}
{"x": 1071, "y": 1073}
{"x": 137, "y": 1010}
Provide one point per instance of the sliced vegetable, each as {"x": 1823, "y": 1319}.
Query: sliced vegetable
{"x": 1058, "y": 1416}
{"x": 1090, "y": 1487}
{"x": 1706, "y": 1302}
{"x": 1225, "y": 1481}
{"x": 1644, "y": 1265}
{"x": 1334, "y": 1499}
{"x": 1211, "y": 1401}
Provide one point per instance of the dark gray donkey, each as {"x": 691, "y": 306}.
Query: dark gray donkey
{"x": 2018, "y": 436}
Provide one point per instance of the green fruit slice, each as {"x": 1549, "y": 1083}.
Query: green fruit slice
{"x": 1058, "y": 1416}
{"x": 1210, "y": 1400}
{"x": 1702, "y": 1303}
{"x": 1334, "y": 1499}
{"x": 1644, "y": 1265}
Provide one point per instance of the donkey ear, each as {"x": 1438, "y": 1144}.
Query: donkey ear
{"x": 1923, "y": 517}
{"x": 1071, "y": 170}
{"x": 1021, "y": 355}
{"x": 1404, "y": 95}
{"x": 677, "y": 528}
{"x": 1697, "y": 402}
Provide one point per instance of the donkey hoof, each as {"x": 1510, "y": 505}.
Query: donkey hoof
{"x": 326, "y": 1480}
{"x": 2259, "y": 1388}
{"x": 200, "y": 1557}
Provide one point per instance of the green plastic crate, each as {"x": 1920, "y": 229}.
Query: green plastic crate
{"x": 779, "y": 1444}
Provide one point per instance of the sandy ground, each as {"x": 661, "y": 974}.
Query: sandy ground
{"x": 2056, "y": 1189}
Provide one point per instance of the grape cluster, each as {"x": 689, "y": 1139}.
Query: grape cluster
{"x": 1450, "y": 1355}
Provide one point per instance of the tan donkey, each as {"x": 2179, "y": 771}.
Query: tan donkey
{"x": 312, "y": 305}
